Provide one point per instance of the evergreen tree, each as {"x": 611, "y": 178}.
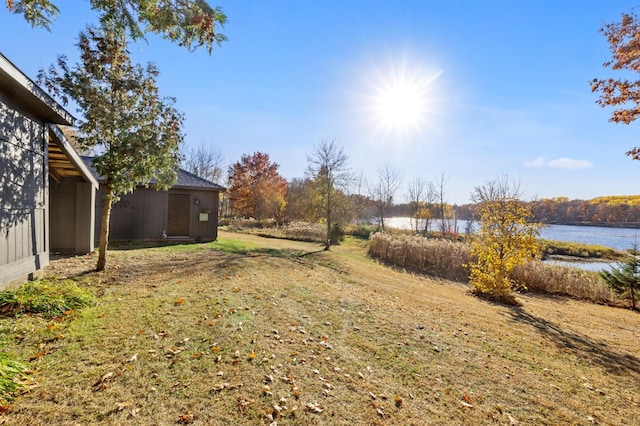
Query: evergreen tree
{"x": 137, "y": 131}
{"x": 625, "y": 278}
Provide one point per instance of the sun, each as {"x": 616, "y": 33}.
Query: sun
{"x": 401, "y": 99}
{"x": 400, "y": 105}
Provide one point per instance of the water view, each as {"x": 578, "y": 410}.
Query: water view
{"x": 617, "y": 238}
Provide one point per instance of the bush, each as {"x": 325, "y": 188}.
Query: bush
{"x": 337, "y": 233}
{"x": 360, "y": 231}
{"x": 50, "y": 297}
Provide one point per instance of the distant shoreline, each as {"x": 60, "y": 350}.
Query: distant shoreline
{"x": 630, "y": 225}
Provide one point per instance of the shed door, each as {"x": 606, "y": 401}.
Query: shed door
{"x": 178, "y": 223}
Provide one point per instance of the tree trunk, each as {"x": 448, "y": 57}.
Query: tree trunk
{"x": 327, "y": 243}
{"x": 104, "y": 229}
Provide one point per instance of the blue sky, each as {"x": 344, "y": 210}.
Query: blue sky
{"x": 490, "y": 88}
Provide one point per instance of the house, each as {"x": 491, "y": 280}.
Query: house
{"x": 187, "y": 211}
{"x": 45, "y": 189}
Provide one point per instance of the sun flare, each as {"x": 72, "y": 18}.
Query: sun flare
{"x": 402, "y": 99}
{"x": 400, "y": 105}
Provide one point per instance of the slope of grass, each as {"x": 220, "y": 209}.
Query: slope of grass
{"x": 250, "y": 331}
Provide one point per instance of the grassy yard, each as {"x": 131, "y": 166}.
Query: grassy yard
{"x": 250, "y": 330}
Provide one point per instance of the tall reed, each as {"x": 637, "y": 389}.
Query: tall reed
{"x": 440, "y": 258}
{"x": 445, "y": 259}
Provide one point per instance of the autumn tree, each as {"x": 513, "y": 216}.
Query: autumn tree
{"x": 190, "y": 23}
{"x": 124, "y": 117}
{"x": 624, "y": 278}
{"x": 256, "y": 189}
{"x": 506, "y": 238}
{"x": 383, "y": 190}
{"x": 622, "y": 94}
{"x": 204, "y": 162}
{"x": 328, "y": 167}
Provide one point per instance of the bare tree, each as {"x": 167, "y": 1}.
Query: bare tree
{"x": 208, "y": 163}
{"x": 329, "y": 168}
{"x": 420, "y": 196}
{"x": 441, "y": 198}
{"x": 360, "y": 201}
{"x": 383, "y": 190}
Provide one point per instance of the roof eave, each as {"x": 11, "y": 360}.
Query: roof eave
{"x": 25, "y": 90}
{"x": 74, "y": 158}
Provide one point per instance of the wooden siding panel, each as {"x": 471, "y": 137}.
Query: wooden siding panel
{"x": 23, "y": 191}
{"x": 62, "y": 216}
{"x": 207, "y": 201}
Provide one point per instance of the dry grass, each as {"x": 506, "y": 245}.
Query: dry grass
{"x": 299, "y": 231}
{"x": 436, "y": 257}
{"x": 249, "y": 329}
{"x": 446, "y": 259}
{"x": 556, "y": 279}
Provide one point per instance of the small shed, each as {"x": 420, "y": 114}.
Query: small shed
{"x": 187, "y": 211}
{"x": 33, "y": 155}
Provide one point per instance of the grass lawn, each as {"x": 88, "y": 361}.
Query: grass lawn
{"x": 250, "y": 330}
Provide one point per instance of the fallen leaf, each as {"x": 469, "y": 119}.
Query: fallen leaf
{"x": 314, "y": 408}
{"x": 187, "y": 418}
{"x": 399, "y": 401}
{"x": 101, "y": 383}
{"x": 133, "y": 358}
{"x": 221, "y": 386}
{"x": 465, "y": 404}
{"x": 122, "y": 405}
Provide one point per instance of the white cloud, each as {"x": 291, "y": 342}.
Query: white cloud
{"x": 560, "y": 163}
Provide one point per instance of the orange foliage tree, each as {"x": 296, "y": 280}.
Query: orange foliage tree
{"x": 624, "y": 95}
{"x": 256, "y": 189}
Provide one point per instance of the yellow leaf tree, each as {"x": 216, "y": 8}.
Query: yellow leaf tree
{"x": 507, "y": 238}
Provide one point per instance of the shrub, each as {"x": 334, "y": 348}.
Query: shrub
{"x": 337, "y": 233}
{"x": 360, "y": 231}
{"x": 51, "y": 297}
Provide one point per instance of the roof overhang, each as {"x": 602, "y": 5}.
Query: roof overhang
{"x": 64, "y": 162}
{"x": 25, "y": 92}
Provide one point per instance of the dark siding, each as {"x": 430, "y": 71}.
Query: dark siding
{"x": 23, "y": 247}
{"x": 141, "y": 215}
{"x": 144, "y": 214}
{"x": 207, "y": 201}
{"x": 62, "y": 207}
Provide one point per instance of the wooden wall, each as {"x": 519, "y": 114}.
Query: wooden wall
{"x": 143, "y": 215}
{"x": 71, "y": 228}
{"x": 23, "y": 189}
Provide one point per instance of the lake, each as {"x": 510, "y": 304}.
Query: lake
{"x": 617, "y": 238}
